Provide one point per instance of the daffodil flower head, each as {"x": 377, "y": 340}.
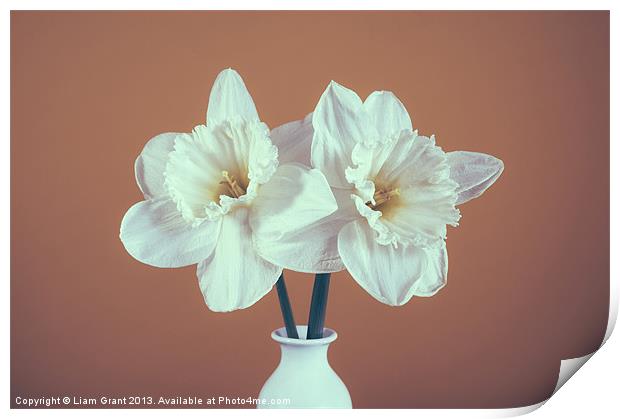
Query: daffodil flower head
{"x": 219, "y": 198}
{"x": 397, "y": 192}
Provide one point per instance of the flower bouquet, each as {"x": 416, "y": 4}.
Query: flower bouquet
{"x": 351, "y": 186}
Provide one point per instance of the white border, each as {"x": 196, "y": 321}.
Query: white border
{"x": 592, "y": 394}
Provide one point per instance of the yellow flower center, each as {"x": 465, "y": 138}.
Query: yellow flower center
{"x": 381, "y": 196}
{"x": 234, "y": 189}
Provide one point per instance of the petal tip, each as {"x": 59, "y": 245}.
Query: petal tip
{"x": 383, "y": 93}
{"x": 500, "y": 164}
{"x": 230, "y": 98}
{"x": 229, "y": 72}
{"x": 335, "y": 87}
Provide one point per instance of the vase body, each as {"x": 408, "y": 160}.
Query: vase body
{"x": 304, "y": 378}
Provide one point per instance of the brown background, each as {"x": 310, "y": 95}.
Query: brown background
{"x": 529, "y": 265}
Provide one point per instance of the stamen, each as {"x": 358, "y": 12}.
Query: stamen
{"x": 381, "y": 196}
{"x": 234, "y": 188}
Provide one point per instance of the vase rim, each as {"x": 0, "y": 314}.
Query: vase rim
{"x": 280, "y": 336}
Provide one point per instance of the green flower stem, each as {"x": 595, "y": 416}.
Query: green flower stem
{"x": 285, "y": 306}
{"x": 318, "y": 306}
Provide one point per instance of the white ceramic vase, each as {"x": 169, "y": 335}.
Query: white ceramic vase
{"x": 304, "y": 378}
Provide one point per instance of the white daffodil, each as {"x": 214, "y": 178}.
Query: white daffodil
{"x": 396, "y": 190}
{"x": 216, "y": 195}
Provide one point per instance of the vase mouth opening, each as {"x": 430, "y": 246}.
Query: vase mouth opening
{"x": 280, "y": 336}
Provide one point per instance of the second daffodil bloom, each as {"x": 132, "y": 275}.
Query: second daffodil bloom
{"x": 397, "y": 191}
{"x": 216, "y": 195}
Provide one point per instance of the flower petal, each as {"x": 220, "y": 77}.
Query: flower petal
{"x": 155, "y": 233}
{"x": 339, "y": 122}
{"x": 387, "y": 113}
{"x": 294, "y": 140}
{"x": 230, "y": 99}
{"x": 474, "y": 172}
{"x": 388, "y": 273}
{"x": 436, "y": 274}
{"x": 235, "y": 276}
{"x": 313, "y": 249}
{"x": 294, "y": 198}
{"x": 151, "y": 165}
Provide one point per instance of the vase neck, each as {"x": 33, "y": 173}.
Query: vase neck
{"x": 311, "y": 352}
{"x": 307, "y": 354}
